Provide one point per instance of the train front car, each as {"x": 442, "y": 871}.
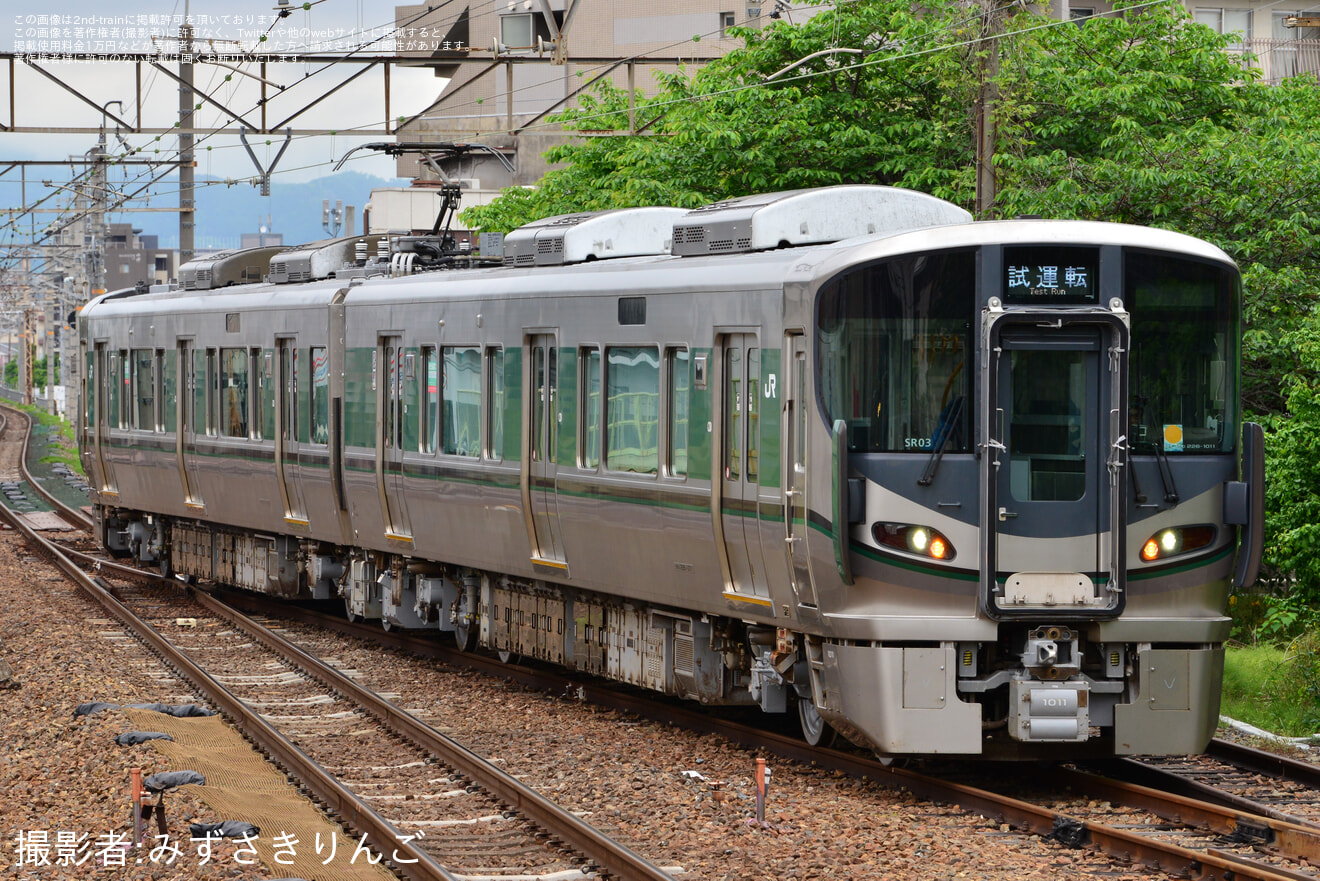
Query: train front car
{"x": 1034, "y": 437}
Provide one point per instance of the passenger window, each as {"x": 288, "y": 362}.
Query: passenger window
{"x": 632, "y": 415}
{"x": 430, "y": 397}
{"x": 495, "y": 405}
{"x": 114, "y": 383}
{"x": 679, "y": 369}
{"x": 212, "y": 393}
{"x": 590, "y": 454}
{"x": 234, "y": 392}
{"x": 260, "y": 419}
{"x": 320, "y": 395}
{"x": 461, "y": 401}
{"x": 143, "y": 409}
{"x": 167, "y": 398}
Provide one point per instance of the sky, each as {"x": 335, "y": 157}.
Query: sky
{"x": 228, "y": 26}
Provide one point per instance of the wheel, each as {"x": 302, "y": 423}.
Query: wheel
{"x": 509, "y": 657}
{"x": 348, "y": 612}
{"x": 815, "y": 730}
{"x": 386, "y": 624}
{"x": 465, "y": 634}
{"x": 166, "y": 566}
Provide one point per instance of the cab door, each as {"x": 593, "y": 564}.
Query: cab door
{"x": 1056, "y": 500}
{"x": 539, "y": 470}
{"x": 737, "y": 511}
{"x": 390, "y": 421}
{"x": 794, "y": 433}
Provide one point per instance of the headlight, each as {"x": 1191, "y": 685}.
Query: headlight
{"x": 920, "y": 540}
{"x": 1176, "y": 540}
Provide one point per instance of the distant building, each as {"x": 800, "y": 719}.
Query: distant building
{"x": 131, "y": 257}
{"x": 511, "y": 66}
{"x": 261, "y": 239}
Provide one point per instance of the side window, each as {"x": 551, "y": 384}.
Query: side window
{"x": 167, "y": 397}
{"x": 114, "y": 386}
{"x": 632, "y": 412}
{"x": 212, "y": 392}
{"x": 589, "y": 437}
{"x": 91, "y": 377}
{"x": 234, "y": 392}
{"x": 495, "y": 405}
{"x": 320, "y": 395}
{"x": 460, "y": 433}
{"x": 679, "y": 369}
{"x": 259, "y": 369}
{"x": 143, "y": 409}
{"x": 429, "y": 378}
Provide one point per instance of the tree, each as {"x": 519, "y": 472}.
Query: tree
{"x": 1140, "y": 116}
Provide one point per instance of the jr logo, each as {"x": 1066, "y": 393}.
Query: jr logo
{"x": 769, "y": 385}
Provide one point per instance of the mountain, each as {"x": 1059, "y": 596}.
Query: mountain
{"x": 225, "y": 213}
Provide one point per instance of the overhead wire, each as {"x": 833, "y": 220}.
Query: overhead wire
{"x": 882, "y": 58}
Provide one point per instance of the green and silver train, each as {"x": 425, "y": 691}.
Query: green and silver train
{"x": 939, "y": 486}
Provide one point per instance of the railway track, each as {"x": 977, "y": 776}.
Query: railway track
{"x": 1189, "y": 836}
{"x": 1149, "y": 827}
{"x": 482, "y": 820}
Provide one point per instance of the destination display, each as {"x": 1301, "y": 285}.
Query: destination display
{"x": 1050, "y": 275}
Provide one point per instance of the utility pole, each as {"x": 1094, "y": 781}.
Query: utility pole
{"x": 187, "y": 207}
{"x": 987, "y": 100}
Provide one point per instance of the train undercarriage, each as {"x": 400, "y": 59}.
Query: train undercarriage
{"x": 1041, "y": 689}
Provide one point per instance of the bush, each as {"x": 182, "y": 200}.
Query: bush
{"x": 1275, "y": 688}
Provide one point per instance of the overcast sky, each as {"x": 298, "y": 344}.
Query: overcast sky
{"x": 226, "y": 26}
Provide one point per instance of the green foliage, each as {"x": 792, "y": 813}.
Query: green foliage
{"x": 1275, "y": 688}
{"x": 1138, "y": 116}
{"x": 38, "y": 372}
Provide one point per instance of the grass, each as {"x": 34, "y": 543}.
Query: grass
{"x": 1274, "y": 687}
{"x": 64, "y": 443}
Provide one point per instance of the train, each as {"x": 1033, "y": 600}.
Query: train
{"x": 940, "y": 487}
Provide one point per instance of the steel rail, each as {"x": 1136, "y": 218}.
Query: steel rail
{"x": 75, "y": 517}
{"x": 1165, "y": 780}
{"x": 605, "y": 852}
{"x": 407, "y": 859}
{"x": 1293, "y": 837}
{"x": 1261, "y": 762}
{"x": 1119, "y": 843}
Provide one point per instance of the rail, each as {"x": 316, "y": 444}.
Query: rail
{"x": 325, "y": 787}
{"x": 74, "y": 516}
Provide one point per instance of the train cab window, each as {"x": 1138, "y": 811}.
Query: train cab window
{"x": 234, "y": 392}
{"x": 429, "y": 417}
{"x": 1184, "y": 354}
{"x": 142, "y": 412}
{"x": 495, "y": 403}
{"x": 589, "y": 454}
{"x": 892, "y": 342}
{"x": 678, "y": 370}
{"x": 460, "y": 387}
{"x": 320, "y": 395}
{"x": 632, "y": 411}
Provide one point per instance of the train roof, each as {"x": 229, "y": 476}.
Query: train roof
{"x": 757, "y": 270}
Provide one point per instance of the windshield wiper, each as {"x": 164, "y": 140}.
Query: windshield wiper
{"x": 943, "y": 432}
